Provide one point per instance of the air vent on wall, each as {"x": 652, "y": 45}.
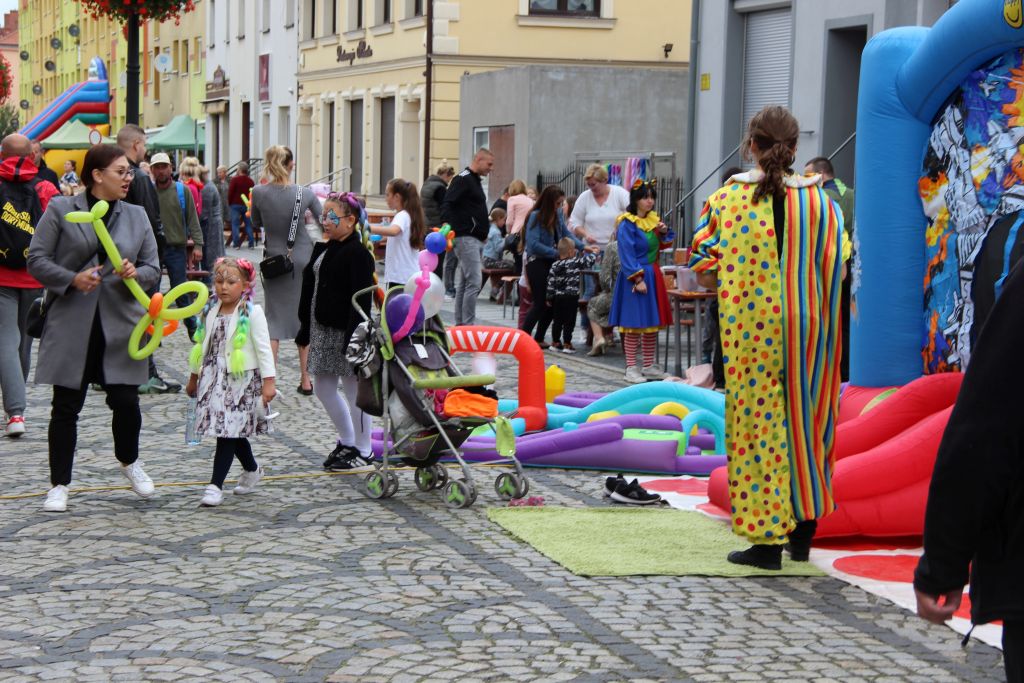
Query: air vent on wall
{"x": 73, "y": 30}
{"x": 37, "y": 89}
{"x": 55, "y": 43}
{"x": 25, "y": 104}
{"x": 49, "y": 65}
{"x": 24, "y": 55}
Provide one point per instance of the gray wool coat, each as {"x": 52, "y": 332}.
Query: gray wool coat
{"x": 59, "y": 250}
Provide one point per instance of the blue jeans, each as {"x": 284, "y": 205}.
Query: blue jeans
{"x": 237, "y": 217}
{"x": 469, "y": 278}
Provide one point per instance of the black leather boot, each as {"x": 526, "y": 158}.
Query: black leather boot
{"x": 760, "y": 556}
{"x": 799, "y": 546}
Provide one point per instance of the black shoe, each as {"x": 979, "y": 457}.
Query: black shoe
{"x": 304, "y": 392}
{"x": 342, "y": 458}
{"x": 799, "y": 546}
{"x": 760, "y": 556}
{"x": 191, "y": 326}
{"x": 633, "y": 494}
{"x": 612, "y": 483}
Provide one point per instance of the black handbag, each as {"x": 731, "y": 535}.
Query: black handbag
{"x": 36, "y": 318}
{"x": 282, "y": 264}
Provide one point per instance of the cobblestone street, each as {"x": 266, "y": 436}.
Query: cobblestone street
{"x": 309, "y": 580}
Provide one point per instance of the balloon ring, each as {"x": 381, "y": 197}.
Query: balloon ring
{"x": 159, "y": 320}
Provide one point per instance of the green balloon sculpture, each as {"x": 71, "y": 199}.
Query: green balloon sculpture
{"x": 159, "y": 319}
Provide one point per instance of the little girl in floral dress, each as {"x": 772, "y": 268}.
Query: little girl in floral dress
{"x": 232, "y": 375}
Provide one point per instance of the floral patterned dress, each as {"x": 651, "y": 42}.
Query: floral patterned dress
{"x": 227, "y": 406}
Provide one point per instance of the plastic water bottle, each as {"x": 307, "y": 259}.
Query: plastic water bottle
{"x": 191, "y": 437}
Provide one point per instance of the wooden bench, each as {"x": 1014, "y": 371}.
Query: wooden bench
{"x": 495, "y": 275}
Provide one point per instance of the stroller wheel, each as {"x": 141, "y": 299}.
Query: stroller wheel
{"x": 524, "y": 486}
{"x": 425, "y": 478}
{"x": 392, "y": 484}
{"x": 459, "y": 494}
{"x": 375, "y": 485}
{"x": 440, "y": 476}
{"x": 506, "y": 486}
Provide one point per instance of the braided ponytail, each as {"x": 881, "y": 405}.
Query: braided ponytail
{"x": 774, "y": 131}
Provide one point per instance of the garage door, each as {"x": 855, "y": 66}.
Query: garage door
{"x": 767, "y": 61}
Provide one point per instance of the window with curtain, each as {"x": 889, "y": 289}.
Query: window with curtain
{"x": 582, "y": 8}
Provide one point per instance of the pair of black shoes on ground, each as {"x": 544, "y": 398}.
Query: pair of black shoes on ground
{"x": 344, "y": 458}
{"x": 630, "y": 493}
{"x": 770, "y": 556}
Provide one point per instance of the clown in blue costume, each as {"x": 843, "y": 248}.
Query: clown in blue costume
{"x": 640, "y": 304}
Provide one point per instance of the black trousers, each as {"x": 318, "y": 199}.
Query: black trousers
{"x": 565, "y": 307}
{"x": 540, "y": 314}
{"x": 1013, "y": 651}
{"x": 122, "y": 399}
{"x": 227, "y": 451}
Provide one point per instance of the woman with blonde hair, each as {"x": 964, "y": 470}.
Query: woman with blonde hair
{"x": 188, "y": 174}
{"x": 279, "y": 207}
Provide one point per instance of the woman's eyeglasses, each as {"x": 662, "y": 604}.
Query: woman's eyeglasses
{"x": 125, "y": 173}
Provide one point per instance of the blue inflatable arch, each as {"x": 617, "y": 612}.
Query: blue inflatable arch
{"x": 907, "y": 74}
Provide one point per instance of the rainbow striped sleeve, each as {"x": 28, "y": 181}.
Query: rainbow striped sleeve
{"x": 704, "y": 252}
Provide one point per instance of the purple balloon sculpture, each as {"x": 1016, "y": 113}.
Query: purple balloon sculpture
{"x": 397, "y": 310}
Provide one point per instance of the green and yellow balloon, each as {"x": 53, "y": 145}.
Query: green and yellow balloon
{"x": 159, "y": 319}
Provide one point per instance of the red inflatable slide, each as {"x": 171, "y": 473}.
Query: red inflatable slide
{"x": 884, "y": 461}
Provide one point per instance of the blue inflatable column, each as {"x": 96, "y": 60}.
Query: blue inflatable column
{"x": 885, "y": 324}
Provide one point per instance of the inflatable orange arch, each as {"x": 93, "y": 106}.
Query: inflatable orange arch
{"x": 509, "y": 341}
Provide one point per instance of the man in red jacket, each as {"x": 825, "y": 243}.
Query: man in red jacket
{"x": 240, "y": 185}
{"x": 23, "y": 199}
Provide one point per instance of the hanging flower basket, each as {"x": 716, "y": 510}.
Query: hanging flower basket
{"x": 120, "y": 10}
{"x": 5, "y": 79}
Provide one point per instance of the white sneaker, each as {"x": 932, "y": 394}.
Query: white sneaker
{"x": 15, "y": 426}
{"x": 634, "y": 376}
{"x": 141, "y": 483}
{"x": 212, "y": 497}
{"x": 247, "y": 481}
{"x": 654, "y": 372}
{"x": 56, "y": 499}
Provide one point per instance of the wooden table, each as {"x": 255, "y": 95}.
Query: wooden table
{"x": 678, "y": 298}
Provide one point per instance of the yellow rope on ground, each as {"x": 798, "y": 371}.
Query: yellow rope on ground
{"x": 272, "y": 477}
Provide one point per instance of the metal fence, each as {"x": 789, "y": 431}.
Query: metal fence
{"x": 670, "y": 191}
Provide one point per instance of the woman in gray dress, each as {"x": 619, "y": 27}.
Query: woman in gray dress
{"x": 90, "y": 315}
{"x": 272, "y": 207}
{"x": 211, "y": 221}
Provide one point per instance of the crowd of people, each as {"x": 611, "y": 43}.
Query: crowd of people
{"x": 774, "y": 221}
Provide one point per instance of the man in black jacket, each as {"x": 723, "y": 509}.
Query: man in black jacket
{"x": 44, "y": 172}
{"x": 132, "y": 139}
{"x": 465, "y": 209}
{"x": 974, "y": 522}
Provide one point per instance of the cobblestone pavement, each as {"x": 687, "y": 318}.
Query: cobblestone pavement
{"x": 309, "y": 580}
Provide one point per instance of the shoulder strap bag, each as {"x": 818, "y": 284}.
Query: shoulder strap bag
{"x": 281, "y": 264}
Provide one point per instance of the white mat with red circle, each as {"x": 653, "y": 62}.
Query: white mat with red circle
{"x": 884, "y": 567}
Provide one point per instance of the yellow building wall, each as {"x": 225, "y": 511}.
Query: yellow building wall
{"x": 182, "y": 89}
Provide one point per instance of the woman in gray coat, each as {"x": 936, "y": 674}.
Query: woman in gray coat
{"x": 272, "y": 207}
{"x": 89, "y": 306}
{"x": 211, "y": 221}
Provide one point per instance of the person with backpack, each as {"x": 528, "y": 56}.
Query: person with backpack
{"x": 180, "y": 221}
{"x": 23, "y": 198}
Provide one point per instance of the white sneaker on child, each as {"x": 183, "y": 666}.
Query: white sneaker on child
{"x": 212, "y": 497}
{"x": 56, "y": 499}
{"x": 141, "y": 483}
{"x": 654, "y": 372}
{"x": 247, "y": 481}
{"x": 634, "y": 376}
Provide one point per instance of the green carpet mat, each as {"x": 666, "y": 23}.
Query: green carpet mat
{"x": 634, "y": 542}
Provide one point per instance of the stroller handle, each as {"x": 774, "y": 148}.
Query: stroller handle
{"x": 355, "y": 301}
{"x": 453, "y": 382}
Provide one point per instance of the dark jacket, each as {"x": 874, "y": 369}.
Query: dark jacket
{"x": 465, "y": 206}
{"x": 431, "y": 196}
{"x": 347, "y": 267}
{"x": 142, "y": 193}
{"x": 974, "y": 521}
{"x": 47, "y": 173}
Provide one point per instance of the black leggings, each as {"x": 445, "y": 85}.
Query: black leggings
{"x": 123, "y": 400}
{"x": 565, "y": 307}
{"x": 227, "y": 451}
{"x": 1013, "y": 651}
{"x": 541, "y": 314}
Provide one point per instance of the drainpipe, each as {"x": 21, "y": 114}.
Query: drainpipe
{"x": 691, "y": 114}
{"x": 428, "y": 104}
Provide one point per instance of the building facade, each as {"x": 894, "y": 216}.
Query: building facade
{"x": 174, "y": 68}
{"x": 251, "y": 62}
{"x": 750, "y": 56}
{"x": 366, "y": 113}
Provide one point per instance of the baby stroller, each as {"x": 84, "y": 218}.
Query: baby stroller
{"x": 400, "y": 381}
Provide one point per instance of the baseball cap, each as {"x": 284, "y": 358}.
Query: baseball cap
{"x": 160, "y": 158}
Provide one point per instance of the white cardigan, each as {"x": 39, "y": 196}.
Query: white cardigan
{"x": 257, "y": 352}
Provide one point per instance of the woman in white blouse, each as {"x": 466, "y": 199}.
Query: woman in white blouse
{"x": 598, "y": 208}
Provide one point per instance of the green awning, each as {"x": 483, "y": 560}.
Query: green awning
{"x": 72, "y": 135}
{"x": 180, "y": 133}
